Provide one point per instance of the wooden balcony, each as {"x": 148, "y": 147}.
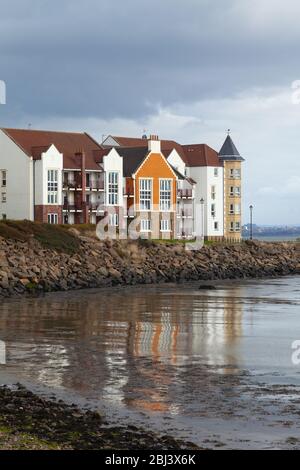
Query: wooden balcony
{"x": 185, "y": 193}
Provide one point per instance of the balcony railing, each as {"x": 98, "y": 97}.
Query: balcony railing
{"x": 95, "y": 185}
{"x": 72, "y": 207}
{"x": 185, "y": 193}
{"x": 185, "y": 213}
{"x": 72, "y": 184}
{"x": 94, "y": 206}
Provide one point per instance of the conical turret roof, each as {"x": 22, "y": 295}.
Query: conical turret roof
{"x": 229, "y": 151}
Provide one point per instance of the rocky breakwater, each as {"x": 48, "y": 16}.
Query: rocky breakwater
{"x": 28, "y": 267}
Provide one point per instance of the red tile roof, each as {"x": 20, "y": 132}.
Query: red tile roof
{"x": 130, "y": 141}
{"x": 201, "y": 155}
{"x": 192, "y": 155}
{"x": 34, "y": 143}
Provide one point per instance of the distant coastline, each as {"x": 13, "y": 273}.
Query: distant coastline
{"x": 274, "y": 238}
{"x": 276, "y": 233}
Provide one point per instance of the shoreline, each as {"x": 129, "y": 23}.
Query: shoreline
{"x": 28, "y": 268}
{"x": 30, "y": 422}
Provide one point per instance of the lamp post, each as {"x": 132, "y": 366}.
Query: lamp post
{"x": 251, "y": 222}
{"x": 202, "y": 217}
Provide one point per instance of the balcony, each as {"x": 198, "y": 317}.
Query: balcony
{"x": 186, "y": 235}
{"x": 72, "y": 184}
{"x": 95, "y": 185}
{"x": 185, "y": 213}
{"x": 185, "y": 193}
{"x": 95, "y": 206}
{"x": 72, "y": 207}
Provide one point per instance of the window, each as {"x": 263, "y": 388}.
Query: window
{"x": 213, "y": 192}
{"x": 165, "y": 195}
{"x": 3, "y": 198}
{"x": 235, "y": 173}
{"x": 216, "y": 171}
{"x": 52, "y": 219}
{"x": 231, "y": 226}
{"x": 231, "y": 190}
{"x": 145, "y": 194}
{"x": 113, "y": 189}
{"x": 114, "y": 220}
{"x": 52, "y": 186}
{"x": 165, "y": 225}
{"x": 213, "y": 210}
{"x": 145, "y": 225}
{"x": 237, "y": 208}
{"x": 231, "y": 209}
{"x": 216, "y": 225}
{"x": 237, "y": 226}
{"x": 237, "y": 191}
{"x": 3, "y": 178}
{"x": 3, "y": 216}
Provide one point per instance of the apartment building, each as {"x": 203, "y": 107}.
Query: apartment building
{"x": 158, "y": 199}
{"x": 53, "y": 177}
{"x": 68, "y": 178}
{"x": 216, "y": 179}
{"x": 158, "y": 188}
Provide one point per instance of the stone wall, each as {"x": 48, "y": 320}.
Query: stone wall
{"x": 27, "y": 267}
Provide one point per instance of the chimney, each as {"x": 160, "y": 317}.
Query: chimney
{"x": 154, "y": 144}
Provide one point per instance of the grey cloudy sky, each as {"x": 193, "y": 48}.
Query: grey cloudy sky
{"x": 184, "y": 69}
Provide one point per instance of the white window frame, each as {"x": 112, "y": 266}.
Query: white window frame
{"x": 146, "y": 194}
{"x": 53, "y": 218}
{"x": 165, "y": 202}
{"x": 165, "y": 225}
{"x": 237, "y": 209}
{"x": 114, "y": 220}
{"x": 237, "y": 227}
{"x": 237, "y": 191}
{"x": 235, "y": 173}
{"x": 52, "y": 186}
{"x": 216, "y": 226}
{"x": 145, "y": 225}
{"x": 113, "y": 188}
{"x": 216, "y": 172}
{"x": 3, "y": 198}
{"x": 231, "y": 209}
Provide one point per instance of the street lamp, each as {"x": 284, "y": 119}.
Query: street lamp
{"x": 251, "y": 222}
{"x": 202, "y": 217}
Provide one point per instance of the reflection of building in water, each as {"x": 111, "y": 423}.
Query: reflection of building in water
{"x": 133, "y": 346}
{"x": 157, "y": 339}
{"x": 217, "y": 326}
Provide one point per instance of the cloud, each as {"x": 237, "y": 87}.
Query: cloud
{"x": 288, "y": 188}
{"x": 185, "y": 70}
